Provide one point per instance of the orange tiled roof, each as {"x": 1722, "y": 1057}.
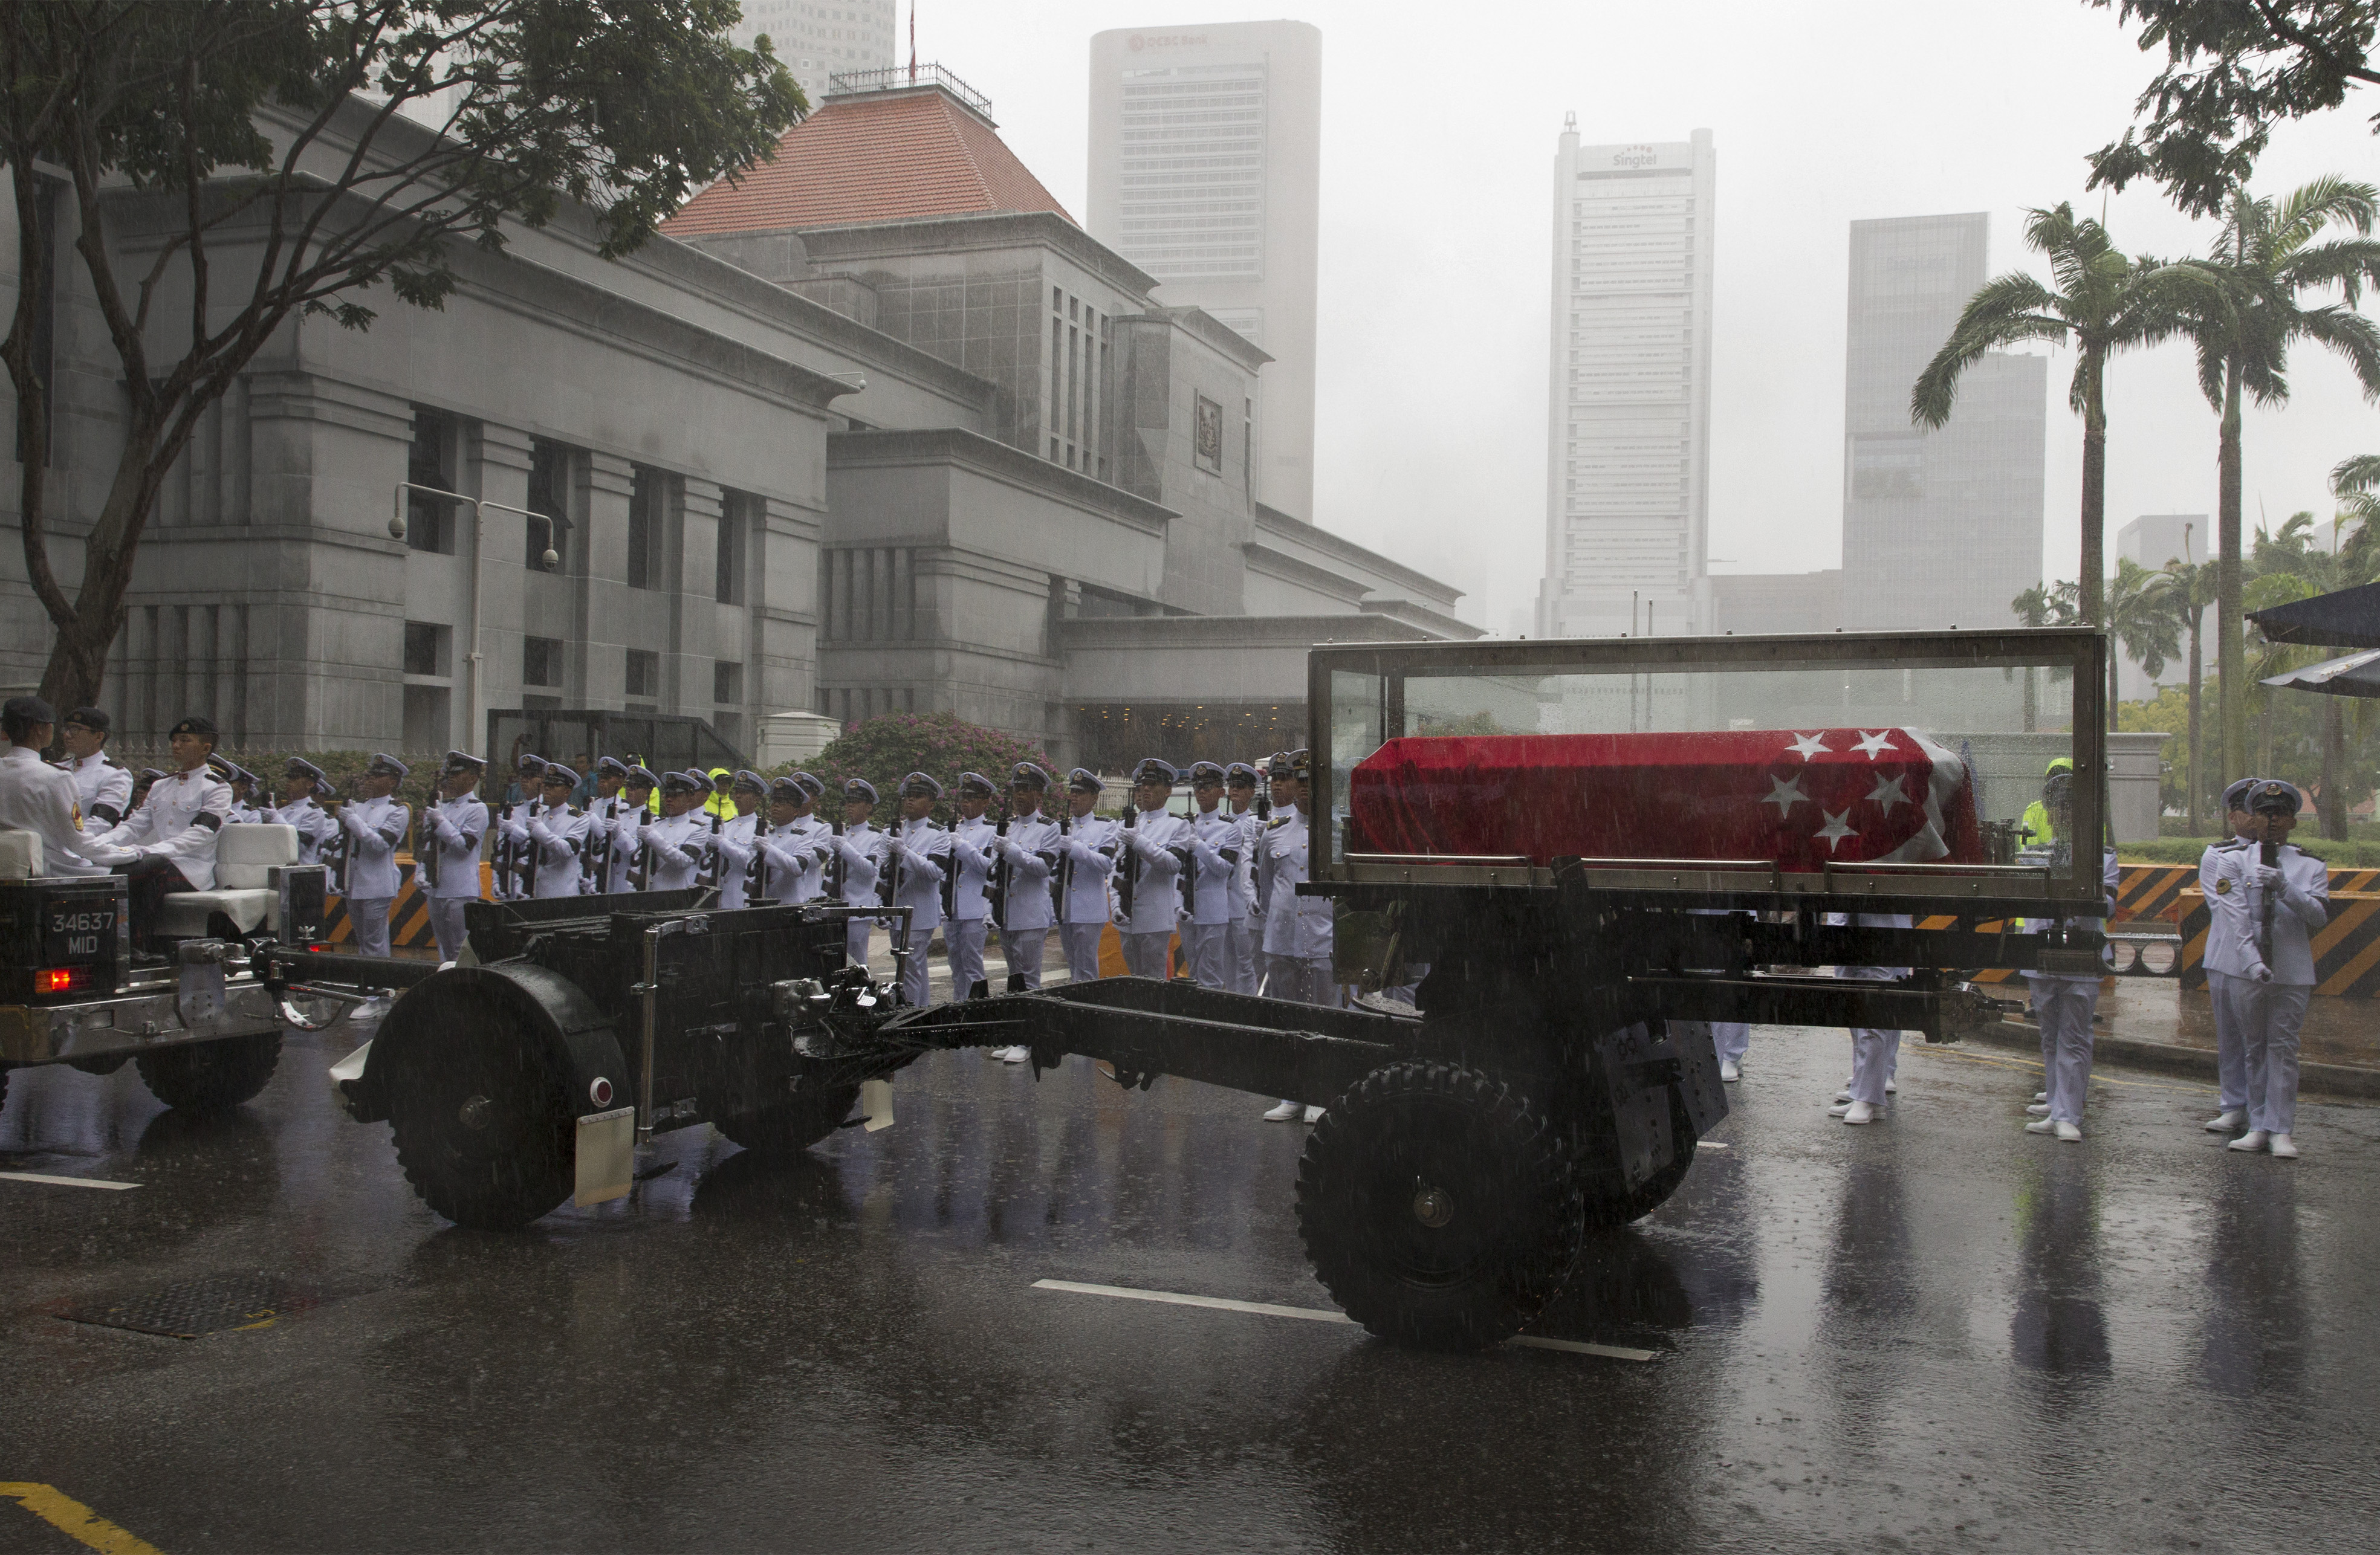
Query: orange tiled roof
{"x": 890, "y": 157}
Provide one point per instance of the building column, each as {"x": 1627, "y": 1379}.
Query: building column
{"x": 604, "y": 578}
{"x": 500, "y": 465}
{"x": 686, "y": 663}
{"x": 784, "y": 592}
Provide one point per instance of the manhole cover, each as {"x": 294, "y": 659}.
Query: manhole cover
{"x": 217, "y": 1304}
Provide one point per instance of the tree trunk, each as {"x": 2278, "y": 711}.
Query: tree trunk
{"x": 2197, "y": 750}
{"x": 2094, "y": 598}
{"x": 78, "y": 663}
{"x": 2115, "y": 682}
{"x": 2333, "y": 802}
{"x": 2230, "y": 650}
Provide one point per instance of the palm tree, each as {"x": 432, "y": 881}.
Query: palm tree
{"x": 2244, "y": 314}
{"x": 2039, "y": 606}
{"x": 2144, "y": 615}
{"x": 2105, "y": 303}
{"x": 2194, "y": 584}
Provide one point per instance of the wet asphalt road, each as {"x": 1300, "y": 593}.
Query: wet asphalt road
{"x": 1934, "y": 1333}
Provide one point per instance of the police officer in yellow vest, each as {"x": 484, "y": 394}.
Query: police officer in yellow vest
{"x": 2039, "y": 826}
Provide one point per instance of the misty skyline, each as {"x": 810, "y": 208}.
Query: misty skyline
{"x": 1430, "y": 425}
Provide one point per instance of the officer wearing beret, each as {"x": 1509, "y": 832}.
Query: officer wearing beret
{"x": 302, "y": 783}
{"x": 168, "y": 845}
{"x": 456, "y": 821}
{"x": 2269, "y": 898}
{"x": 103, "y": 784}
{"x": 375, "y": 823}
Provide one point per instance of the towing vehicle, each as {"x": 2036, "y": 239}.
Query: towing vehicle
{"x": 1582, "y": 850}
{"x": 203, "y": 1029}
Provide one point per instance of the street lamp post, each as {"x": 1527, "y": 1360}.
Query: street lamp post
{"x": 397, "y": 528}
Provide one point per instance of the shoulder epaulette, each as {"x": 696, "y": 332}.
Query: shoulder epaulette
{"x": 1277, "y": 820}
{"x": 106, "y": 760}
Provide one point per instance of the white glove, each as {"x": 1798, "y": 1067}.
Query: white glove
{"x": 516, "y": 831}
{"x": 2261, "y": 973}
{"x": 2270, "y": 877}
{"x": 645, "y": 833}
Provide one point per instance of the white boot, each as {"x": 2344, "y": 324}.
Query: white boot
{"x": 1838, "y": 1108}
{"x": 2041, "y": 1095}
{"x": 1017, "y": 1055}
{"x": 1860, "y": 1112}
{"x": 1729, "y": 1071}
{"x": 1892, "y": 1088}
{"x": 2041, "y": 1125}
{"x": 2039, "y": 1109}
{"x": 2252, "y": 1139}
{"x": 1314, "y": 1114}
{"x": 1287, "y": 1112}
{"x": 2071, "y": 1132}
{"x": 2285, "y": 1147}
{"x": 2223, "y": 1123}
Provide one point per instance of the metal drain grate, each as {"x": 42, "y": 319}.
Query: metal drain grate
{"x": 216, "y": 1304}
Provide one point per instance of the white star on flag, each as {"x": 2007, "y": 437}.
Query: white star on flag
{"x": 1808, "y": 745}
{"x": 1785, "y": 795}
{"x": 1875, "y": 744}
{"x": 1834, "y": 830}
{"x": 1889, "y": 792}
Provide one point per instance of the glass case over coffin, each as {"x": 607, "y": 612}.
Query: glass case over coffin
{"x": 1867, "y": 765}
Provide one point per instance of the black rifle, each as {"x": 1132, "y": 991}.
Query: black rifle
{"x": 836, "y": 867}
{"x": 706, "y": 873}
{"x": 425, "y": 832}
{"x": 595, "y": 865}
{"x": 339, "y": 851}
{"x": 641, "y": 868}
{"x": 507, "y": 854}
{"x": 756, "y": 873}
{"x": 997, "y": 897}
{"x": 1131, "y": 880}
{"x": 2268, "y": 853}
{"x": 1062, "y": 867}
{"x": 888, "y": 873}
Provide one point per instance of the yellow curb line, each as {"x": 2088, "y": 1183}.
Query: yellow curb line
{"x": 75, "y": 1519}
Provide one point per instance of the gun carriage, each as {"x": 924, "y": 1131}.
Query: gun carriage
{"x": 1582, "y": 851}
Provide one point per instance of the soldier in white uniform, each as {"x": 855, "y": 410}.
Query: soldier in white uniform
{"x": 2064, "y": 1004}
{"x": 851, "y": 872}
{"x": 1245, "y": 934}
{"x": 1211, "y": 885}
{"x": 103, "y": 785}
{"x": 738, "y": 844}
{"x": 1024, "y": 862}
{"x": 796, "y": 845}
{"x": 552, "y": 836}
{"x": 911, "y": 864}
{"x": 246, "y": 791}
{"x": 302, "y": 784}
{"x": 603, "y": 806}
{"x": 1148, "y": 869}
{"x": 1875, "y": 1050}
{"x": 2260, "y": 937}
{"x": 1085, "y": 857}
{"x": 637, "y": 810}
{"x": 676, "y": 848}
{"x": 374, "y": 823}
{"x": 1298, "y": 930}
{"x": 511, "y": 873}
{"x": 167, "y": 844}
{"x": 2231, "y": 1062}
{"x": 967, "y": 889}
{"x": 35, "y": 796}
{"x": 450, "y": 863}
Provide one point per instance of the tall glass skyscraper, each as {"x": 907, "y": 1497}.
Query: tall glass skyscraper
{"x": 816, "y": 38}
{"x": 1940, "y": 528}
{"x": 1627, "y": 480}
{"x": 1206, "y": 171}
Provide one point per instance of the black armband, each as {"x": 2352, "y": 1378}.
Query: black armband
{"x": 108, "y": 814}
{"x": 208, "y": 819}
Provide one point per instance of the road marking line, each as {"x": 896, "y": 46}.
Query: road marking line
{"x": 77, "y": 1520}
{"x": 1313, "y": 1314}
{"x": 2033, "y": 1065}
{"x": 64, "y": 1182}
{"x": 1712, "y": 1144}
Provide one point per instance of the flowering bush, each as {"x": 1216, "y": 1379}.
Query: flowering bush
{"x": 885, "y": 749}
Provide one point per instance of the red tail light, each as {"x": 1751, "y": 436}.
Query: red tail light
{"x": 61, "y": 980}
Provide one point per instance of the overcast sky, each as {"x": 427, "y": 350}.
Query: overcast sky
{"x": 1440, "y": 123}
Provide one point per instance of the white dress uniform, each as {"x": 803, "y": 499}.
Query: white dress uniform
{"x": 38, "y": 797}
{"x": 1243, "y": 939}
{"x": 627, "y": 823}
{"x": 1148, "y": 856}
{"x": 854, "y": 850}
{"x": 681, "y": 844}
{"x": 1086, "y": 850}
{"x": 1029, "y": 851}
{"x": 798, "y": 852}
{"x": 456, "y": 828}
{"x": 103, "y": 786}
{"x": 917, "y": 854}
{"x": 374, "y": 827}
{"x": 2231, "y": 1062}
{"x": 738, "y": 848}
{"x": 1210, "y": 889}
{"x": 968, "y": 902}
{"x": 1875, "y": 1050}
{"x": 2266, "y": 962}
{"x": 2064, "y": 1004}
{"x": 557, "y": 837}
{"x": 181, "y": 822}
{"x": 313, "y": 825}
{"x": 1298, "y": 930}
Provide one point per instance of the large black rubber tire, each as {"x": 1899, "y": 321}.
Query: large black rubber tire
{"x": 483, "y": 1124}
{"x": 211, "y": 1077}
{"x": 795, "y": 1126}
{"x": 1437, "y": 1207}
{"x": 1626, "y": 1208}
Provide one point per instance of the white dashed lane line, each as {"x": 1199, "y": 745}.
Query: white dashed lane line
{"x": 64, "y": 1182}
{"x": 1314, "y": 1315}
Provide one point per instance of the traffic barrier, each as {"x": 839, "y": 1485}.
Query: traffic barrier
{"x": 2346, "y": 950}
{"x": 408, "y": 919}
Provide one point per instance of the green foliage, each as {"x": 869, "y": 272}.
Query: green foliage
{"x": 2231, "y": 72}
{"x": 885, "y": 749}
{"x": 2358, "y": 853}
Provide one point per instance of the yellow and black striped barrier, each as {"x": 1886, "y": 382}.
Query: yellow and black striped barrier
{"x": 408, "y": 918}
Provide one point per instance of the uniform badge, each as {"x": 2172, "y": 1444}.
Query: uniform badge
{"x": 2223, "y": 887}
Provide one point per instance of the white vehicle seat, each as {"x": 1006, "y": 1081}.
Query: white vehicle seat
{"x": 245, "y": 855}
{"x": 20, "y": 855}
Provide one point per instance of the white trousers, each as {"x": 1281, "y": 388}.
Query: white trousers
{"x": 369, "y": 916}
{"x": 1240, "y": 955}
{"x": 1024, "y": 949}
{"x": 2230, "y": 1058}
{"x": 1144, "y": 955}
{"x": 2268, "y": 1017}
{"x": 1081, "y": 943}
{"x": 962, "y": 945}
{"x": 917, "y": 985}
{"x": 1206, "y": 954}
{"x": 857, "y": 932}
{"x": 446, "y": 922}
{"x": 1732, "y": 1039}
{"x": 2064, "y": 1006}
{"x": 1875, "y": 1051}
